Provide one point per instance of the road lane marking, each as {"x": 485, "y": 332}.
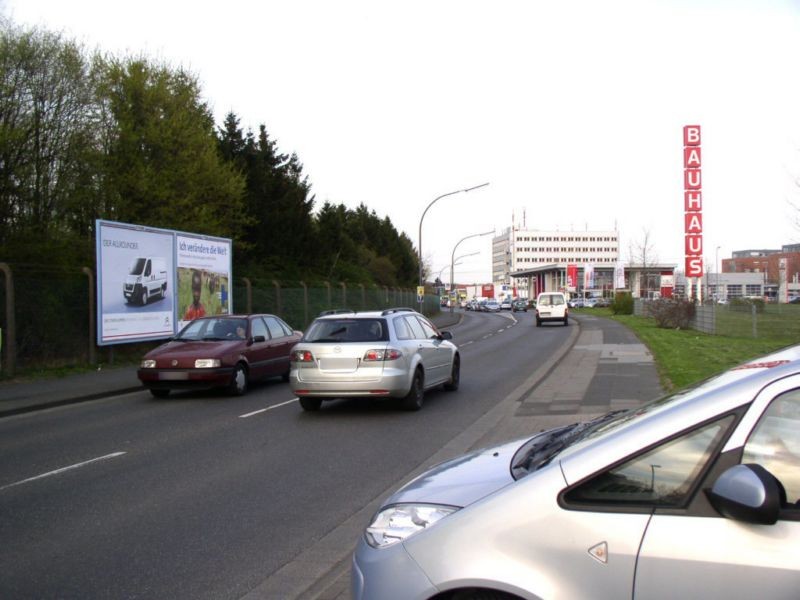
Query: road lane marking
{"x": 257, "y": 412}
{"x": 61, "y": 470}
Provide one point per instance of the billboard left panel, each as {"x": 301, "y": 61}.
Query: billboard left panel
{"x": 135, "y": 283}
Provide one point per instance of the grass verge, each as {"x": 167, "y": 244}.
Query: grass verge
{"x": 685, "y": 356}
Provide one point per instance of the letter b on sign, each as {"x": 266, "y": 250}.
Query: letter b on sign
{"x": 691, "y": 135}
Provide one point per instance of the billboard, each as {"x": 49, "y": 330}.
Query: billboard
{"x": 145, "y": 281}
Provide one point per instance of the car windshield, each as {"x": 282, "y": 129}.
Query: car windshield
{"x": 345, "y": 330}
{"x": 223, "y": 328}
{"x": 137, "y": 266}
{"x": 541, "y": 449}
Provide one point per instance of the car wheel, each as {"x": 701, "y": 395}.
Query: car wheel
{"x": 538, "y": 322}
{"x": 413, "y": 400}
{"x": 285, "y": 374}
{"x": 238, "y": 385}
{"x": 566, "y": 321}
{"x": 455, "y": 375}
{"x": 159, "y": 393}
{"x": 143, "y": 297}
{"x": 482, "y": 595}
{"x": 310, "y": 404}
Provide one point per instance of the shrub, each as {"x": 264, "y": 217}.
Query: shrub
{"x": 671, "y": 313}
{"x": 747, "y": 304}
{"x": 622, "y": 304}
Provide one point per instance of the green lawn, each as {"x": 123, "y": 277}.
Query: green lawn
{"x": 684, "y": 357}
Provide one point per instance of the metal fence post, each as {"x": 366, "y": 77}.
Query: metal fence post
{"x": 249, "y": 294}
{"x": 328, "y": 285}
{"x": 344, "y": 293}
{"x": 363, "y": 297}
{"x": 305, "y": 304}
{"x": 10, "y": 342}
{"x": 92, "y": 324}
{"x": 277, "y": 285}
{"x": 755, "y": 326}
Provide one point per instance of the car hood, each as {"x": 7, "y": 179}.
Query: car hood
{"x": 463, "y": 480}
{"x": 208, "y": 349}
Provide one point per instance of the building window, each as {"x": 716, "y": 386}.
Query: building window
{"x": 735, "y": 291}
{"x": 752, "y": 290}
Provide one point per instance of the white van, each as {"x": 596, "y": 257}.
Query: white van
{"x": 146, "y": 277}
{"x": 552, "y": 306}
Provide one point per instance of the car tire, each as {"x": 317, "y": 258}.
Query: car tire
{"x": 455, "y": 375}
{"x": 538, "y": 322}
{"x": 143, "y": 296}
{"x": 566, "y": 321}
{"x": 310, "y": 404}
{"x": 285, "y": 375}
{"x": 159, "y": 393}
{"x": 238, "y": 384}
{"x": 482, "y": 595}
{"x": 413, "y": 400}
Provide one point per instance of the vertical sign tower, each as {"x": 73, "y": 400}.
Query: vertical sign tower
{"x": 692, "y": 206}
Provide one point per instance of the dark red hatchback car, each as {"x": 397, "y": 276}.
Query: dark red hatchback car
{"x": 225, "y": 351}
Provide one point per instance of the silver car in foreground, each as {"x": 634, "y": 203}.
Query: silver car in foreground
{"x": 395, "y": 353}
{"x": 694, "y": 495}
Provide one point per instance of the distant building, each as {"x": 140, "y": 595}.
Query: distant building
{"x": 778, "y": 270}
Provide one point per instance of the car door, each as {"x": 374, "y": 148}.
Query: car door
{"x": 258, "y": 352}
{"x": 280, "y": 344}
{"x": 424, "y": 348}
{"x": 702, "y": 554}
{"x": 440, "y": 352}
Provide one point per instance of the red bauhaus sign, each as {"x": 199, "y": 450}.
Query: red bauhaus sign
{"x": 692, "y": 201}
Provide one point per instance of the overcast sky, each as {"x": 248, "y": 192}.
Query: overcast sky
{"x": 573, "y": 111}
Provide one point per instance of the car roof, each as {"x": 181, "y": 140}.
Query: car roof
{"x": 338, "y": 313}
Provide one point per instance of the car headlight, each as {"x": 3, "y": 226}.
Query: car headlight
{"x": 148, "y": 364}
{"x": 396, "y": 523}
{"x": 207, "y": 363}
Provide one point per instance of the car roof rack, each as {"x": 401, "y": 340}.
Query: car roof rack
{"x": 335, "y": 311}
{"x": 389, "y": 311}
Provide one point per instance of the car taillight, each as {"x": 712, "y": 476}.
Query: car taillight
{"x": 382, "y": 355}
{"x": 302, "y": 356}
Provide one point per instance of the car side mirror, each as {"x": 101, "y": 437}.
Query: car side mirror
{"x": 446, "y": 335}
{"x": 258, "y": 338}
{"x": 748, "y": 493}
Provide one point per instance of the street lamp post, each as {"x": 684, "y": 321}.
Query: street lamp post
{"x": 453, "y": 259}
{"x": 435, "y": 200}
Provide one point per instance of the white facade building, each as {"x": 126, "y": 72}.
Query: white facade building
{"x": 524, "y": 249}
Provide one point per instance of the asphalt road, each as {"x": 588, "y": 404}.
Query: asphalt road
{"x": 206, "y": 496}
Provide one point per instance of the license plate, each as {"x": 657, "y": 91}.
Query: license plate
{"x": 544, "y": 314}
{"x": 173, "y": 376}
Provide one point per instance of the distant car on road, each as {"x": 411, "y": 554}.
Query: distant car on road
{"x": 227, "y": 351}
{"x": 492, "y": 306}
{"x": 395, "y": 353}
{"x": 519, "y": 305}
{"x": 551, "y": 306}
{"x": 505, "y": 304}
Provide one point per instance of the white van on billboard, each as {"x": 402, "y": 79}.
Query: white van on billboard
{"x": 146, "y": 279}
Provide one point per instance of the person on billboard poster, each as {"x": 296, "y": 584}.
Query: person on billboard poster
{"x": 196, "y": 308}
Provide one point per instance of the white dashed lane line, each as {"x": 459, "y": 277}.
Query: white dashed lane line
{"x": 63, "y": 469}
{"x": 258, "y": 412}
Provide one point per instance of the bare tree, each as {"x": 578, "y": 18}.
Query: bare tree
{"x": 642, "y": 254}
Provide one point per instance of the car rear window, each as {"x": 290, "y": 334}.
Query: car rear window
{"x": 347, "y": 330}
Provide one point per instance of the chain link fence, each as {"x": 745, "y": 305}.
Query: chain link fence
{"x": 780, "y": 322}
{"x": 48, "y": 315}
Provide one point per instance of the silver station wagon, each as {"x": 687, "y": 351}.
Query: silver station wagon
{"x": 395, "y": 353}
{"x": 695, "y": 495}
